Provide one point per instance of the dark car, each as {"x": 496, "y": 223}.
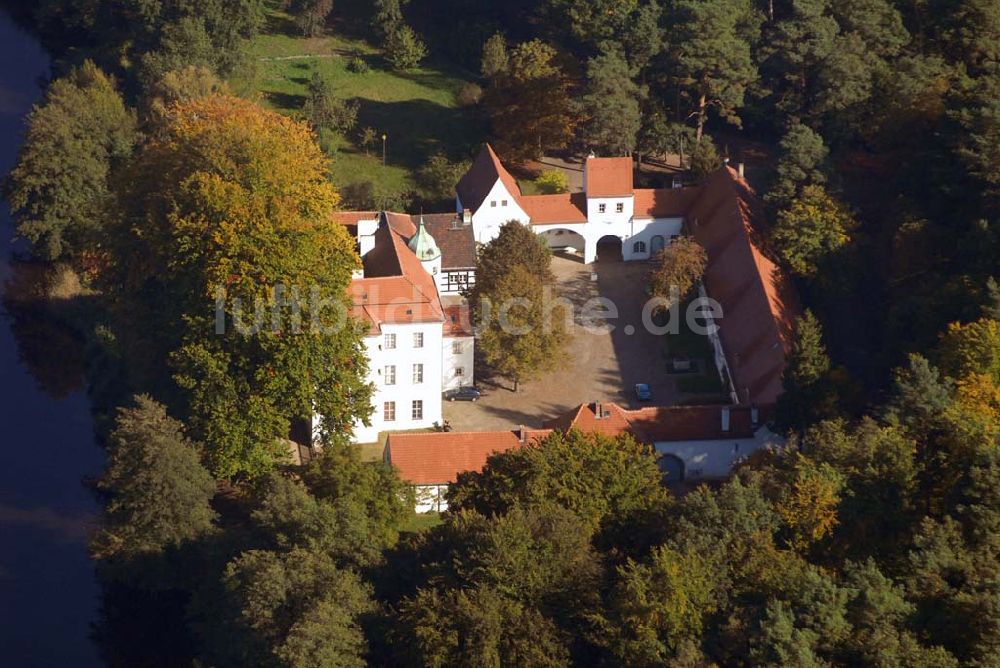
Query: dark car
{"x": 463, "y": 394}
{"x": 642, "y": 392}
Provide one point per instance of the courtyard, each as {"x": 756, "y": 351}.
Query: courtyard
{"x": 598, "y": 365}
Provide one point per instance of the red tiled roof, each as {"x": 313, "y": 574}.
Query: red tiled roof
{"x": 353, "y": 217}
{"x": 438, "y": 458}
{"x": 758, "y": 302}
{"x": 663, "y": 202}
{"x": 608, "y": 177}
{"x": 395, "y": 289}
{"x": 657, "y": 424}
{"x": 561, "y": 208}
{"x": 476, "y": 183}
{"x": 402, "y": 224}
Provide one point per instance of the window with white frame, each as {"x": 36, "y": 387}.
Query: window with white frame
{"x": 601, "y": 208}
{"x": 456, "y": 347}
{"x": 620, "y": 207}
{"x": 417, "y": 410}
{"x": 418, "y": 339}
{"x": 390, "y": 341}
{"x": 389, "y": 375}
{"x": 503, "y": 202}
{"x": 639, "y": 247}
{"x": 493, "y": 203}
{"x": 389, "y": 411}
{"x": 418, "y": 374}
{"x": 459, "y": 371}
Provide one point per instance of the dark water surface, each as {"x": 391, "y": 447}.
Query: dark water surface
{"x": 48, "y": 592}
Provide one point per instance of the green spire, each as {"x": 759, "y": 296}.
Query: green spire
{"x": 423, "y": 245}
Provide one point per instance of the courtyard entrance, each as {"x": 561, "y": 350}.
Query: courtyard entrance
{"x": 609, "y": 249}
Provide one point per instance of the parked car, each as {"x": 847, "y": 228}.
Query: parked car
{"x": 642, "y": 392}
{"x": 463, "y": 394}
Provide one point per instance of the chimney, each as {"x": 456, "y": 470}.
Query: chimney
{"x": 725, "y": 418}
{"x": 739, "y": 169}
{"x": 467, "y": 216}
{"x": 754, "y": 415}
{"x": 598, "y": 410}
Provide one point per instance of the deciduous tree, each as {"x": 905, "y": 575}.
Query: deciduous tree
{"x": 812, "y": 227}
{"x": 530, "y": 107}
{"x": 228, "y": 208}
{"x": 679, "y": 268}
{"x": 74, "y": 140}
{"x": 158, "y": 491}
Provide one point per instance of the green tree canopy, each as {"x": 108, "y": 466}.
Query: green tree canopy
{"x": 75, "y": 138}
{"x": 158, "y": 491}
{"x": 710, "y": 57}
{"x": 810, "y": 229}
{"x": 611, "y": 105}
{"x": 530, "y": 107}
{"x": 229, "y": 208}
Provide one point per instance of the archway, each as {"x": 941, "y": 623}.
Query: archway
{"x": 671, "y": 467}
{"x": 609, "y": 249}
{"x": 656, "y": 244}
{"x": 565, "y": 242}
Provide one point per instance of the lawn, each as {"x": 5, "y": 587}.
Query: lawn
{"x": 697, "y": 348}
{"x": 416, "y": 109}
{"x": 421, "y": 522}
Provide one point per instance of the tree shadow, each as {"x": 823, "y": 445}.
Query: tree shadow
{"x": 286, "y": 100}
{"x": 417, "y": 129}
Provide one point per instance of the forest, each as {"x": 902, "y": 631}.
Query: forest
{"x": 156, "y": 169}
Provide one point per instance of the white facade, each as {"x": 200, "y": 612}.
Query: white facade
{"x": 715, "y": 459}
{"x": 499, "y": 207}
{"x": 640, "y": 237}
{"x": 403, "y": 373}
{"x": 430, "y": 498}
{"x": 457, "y": 355}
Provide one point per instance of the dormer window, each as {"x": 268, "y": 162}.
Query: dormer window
{"x": 620, "y": 207}
{"x": 601, "y": 208}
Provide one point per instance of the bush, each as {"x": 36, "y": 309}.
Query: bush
{"x": 325, "y": 110}
{"x": 704, "y": 159}
{"x": 551, "y": 182}
{"x": 358, "y": 65}
{"x": 438, "y": 176}
{"x": 403, "y": 49}
{"x": 469, "y": 94}
{"x": 359, "y": 196}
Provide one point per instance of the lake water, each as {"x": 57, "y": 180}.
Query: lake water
{"x": 48, "y": 591}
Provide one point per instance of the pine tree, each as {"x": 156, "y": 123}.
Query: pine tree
{"x": 611, "y": 105}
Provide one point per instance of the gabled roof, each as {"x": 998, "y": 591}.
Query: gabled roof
{"x": 608, "y": 177}
{"x": 550, "y": 209}
{"x": 396, "y": 289}
{"x": 662, "y": 202}
{"x": 758, "y": 302}
{"x": 353, "y": 217}
{"x": 476, "y": 183}
{"x": 658, "y": 424}
{"x": 436, "y": 458}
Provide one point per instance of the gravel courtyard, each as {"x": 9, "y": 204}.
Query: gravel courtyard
{"x": 598, "y": 366}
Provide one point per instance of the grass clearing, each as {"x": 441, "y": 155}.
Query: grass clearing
{"x": 416, "y": 109}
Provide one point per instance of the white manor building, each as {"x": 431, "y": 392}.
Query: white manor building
{"x": 610, "y": 212}
{"x": 420, "y": 341}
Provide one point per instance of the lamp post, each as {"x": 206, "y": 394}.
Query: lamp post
{"x": 383, "y": 148}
